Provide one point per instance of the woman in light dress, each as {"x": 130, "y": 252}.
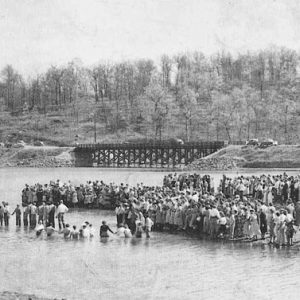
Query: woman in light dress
{"x": 254, "y": 230}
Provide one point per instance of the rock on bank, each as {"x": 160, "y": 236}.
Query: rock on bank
{"x": 234, "y": 157}
{"x": 13, "y": 296}
{"x": 34, "y": 156}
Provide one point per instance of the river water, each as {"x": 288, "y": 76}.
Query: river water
{"x": 163, "y": 267}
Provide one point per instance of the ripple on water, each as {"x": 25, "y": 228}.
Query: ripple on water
{"x": 164, "y": 267}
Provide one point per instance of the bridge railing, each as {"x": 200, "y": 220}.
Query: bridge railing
{"x": 213, "y": 145}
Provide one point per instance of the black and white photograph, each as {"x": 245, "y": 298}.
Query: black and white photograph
{"x": 149, "y": 149}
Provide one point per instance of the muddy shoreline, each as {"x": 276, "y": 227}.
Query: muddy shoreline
{"x": 230, "y": 158}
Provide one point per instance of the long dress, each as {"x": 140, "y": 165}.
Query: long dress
{"x": 263, "y": 223}
{"x": 269, "y": 195}
{"x": 297, "y": 211}
{"x": 254, "y": 228}
{"x": 246, "y": 225}
{"x": 238, "y": 230}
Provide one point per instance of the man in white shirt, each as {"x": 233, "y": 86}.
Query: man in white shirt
{"x": 6, "y": 212}
{"x": 148, "y": 226}
{"x": 60, "y": 211}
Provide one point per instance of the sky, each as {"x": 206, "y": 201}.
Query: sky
{"x": 36, "y": 34}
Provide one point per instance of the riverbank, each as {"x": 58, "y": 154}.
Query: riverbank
{"x": 5, "y": 295}
{"x": 229, "y": 158}
{"x": 37, "y": 156}
{"x": 238, "y": 157}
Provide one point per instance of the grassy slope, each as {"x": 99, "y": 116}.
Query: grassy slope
{"x": 282, "y": 156}
{"x": 59, "y": 127}
{"x": 36, "y": 156}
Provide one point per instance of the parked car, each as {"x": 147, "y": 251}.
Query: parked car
{"x": 252, "y": 142}
{"x": 18, "y": 145}
{"x": 38, "y": 143}
{"x": 21, "y": 142}
{"x": 268, "y": 143}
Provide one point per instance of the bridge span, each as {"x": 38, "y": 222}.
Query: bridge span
{"x": 142, "y": 155}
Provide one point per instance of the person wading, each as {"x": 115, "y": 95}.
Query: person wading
{"x": 18, "y": 213}
{"x": 60, "y": 212}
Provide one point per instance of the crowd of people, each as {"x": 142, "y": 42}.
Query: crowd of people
{"x": 240, "y": 208}
{"x": 92, "y": 194}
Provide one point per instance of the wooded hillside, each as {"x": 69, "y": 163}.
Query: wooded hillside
{"x": 189, "y": 96}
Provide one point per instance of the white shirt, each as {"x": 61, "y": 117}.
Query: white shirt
{"x": 120, "y": 231}
{"x": 148, "y": 223}
{"x": 222, "y": 221}
{"x": 85, "y": 232}
{"x": 214, "y": 213}
{"x": 289, "y": 218}
{"x": 92, "y": 231}
{"x": 127, "y": 233}
{"x": 61, "y": 209}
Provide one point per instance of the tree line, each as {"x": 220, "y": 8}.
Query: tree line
{"x": 189, "y": 95}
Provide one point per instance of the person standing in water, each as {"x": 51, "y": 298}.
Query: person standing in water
{"x": 104, "y": 229}
{"x": 148, "y": 226}
{"x": 139, "y": 230}
{"x": 60, "y": 212}
{"x": 1, "y": 214}
{"x": 67, "y": 231}
{"x": 51, "y": 214}
{"x": 26, "y": 214}
{"x": 127, "y": 232}
{"x": 50, "y": 230}
{"x": 6, "y": 214}
{"x": 18, "y": 213}
{"x": 33, "y": 213}
{"x": 75, "y": 233}
{"x": 91, "y": 231}
{"x": 39, "y": 228}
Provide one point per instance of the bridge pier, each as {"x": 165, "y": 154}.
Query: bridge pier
{"x": 84, "y": 159}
